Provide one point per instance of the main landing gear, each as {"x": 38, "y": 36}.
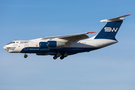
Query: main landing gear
{"x": 56, "y": 56}
{"x": 25, "y": 55}
{"x": 59, "y": 55}
{"x": 62, "y": 57}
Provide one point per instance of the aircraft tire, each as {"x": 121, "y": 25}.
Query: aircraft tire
{"x": 25, "y": 56}
{"x": 62, "y": 57}
{"x": 54, "y": 57}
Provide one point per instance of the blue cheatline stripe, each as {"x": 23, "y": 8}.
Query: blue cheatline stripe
{"x": 56, "y": 50}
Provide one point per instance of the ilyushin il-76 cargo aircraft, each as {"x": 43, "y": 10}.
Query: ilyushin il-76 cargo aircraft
{"x": 63, "y": 46}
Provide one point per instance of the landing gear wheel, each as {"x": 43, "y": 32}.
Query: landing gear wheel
{"x": 25, "y": 55}
{"x": 62, "y": 57}
{"x": 54, "y": 57}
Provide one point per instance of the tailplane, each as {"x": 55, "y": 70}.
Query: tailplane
{"x": 111, "y": 28}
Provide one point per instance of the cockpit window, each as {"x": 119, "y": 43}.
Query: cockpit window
{"x": 10, "y": 43}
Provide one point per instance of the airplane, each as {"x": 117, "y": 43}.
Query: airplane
{"x": 63, "y": 46}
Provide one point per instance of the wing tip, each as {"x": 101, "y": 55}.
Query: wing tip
{"x": 90, "y": 32}
{"x": 127, "y": 15}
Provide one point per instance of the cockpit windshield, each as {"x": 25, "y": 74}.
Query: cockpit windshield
{"x": 10, "y": 43}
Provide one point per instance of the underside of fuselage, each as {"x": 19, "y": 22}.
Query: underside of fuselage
{"x": 54, "y": 51}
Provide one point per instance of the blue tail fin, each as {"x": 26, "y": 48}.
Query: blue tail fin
{"x": 111, "y": 28}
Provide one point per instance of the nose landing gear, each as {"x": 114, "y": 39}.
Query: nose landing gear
{"x": 25, "y": 55}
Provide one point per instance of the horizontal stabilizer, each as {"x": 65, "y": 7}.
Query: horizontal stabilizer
{"x": 115, "y": 19}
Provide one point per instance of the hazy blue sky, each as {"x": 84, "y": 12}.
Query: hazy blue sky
{"x": 110, "y": 68}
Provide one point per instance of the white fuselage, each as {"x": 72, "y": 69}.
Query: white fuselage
{"x": 18, "y": 45}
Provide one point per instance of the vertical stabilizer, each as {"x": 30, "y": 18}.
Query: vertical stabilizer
{"x": 111, "y": 28}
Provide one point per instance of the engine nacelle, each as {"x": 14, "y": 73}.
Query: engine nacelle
{"x": 51, "y": 44}
{"x": 43, "y": 45}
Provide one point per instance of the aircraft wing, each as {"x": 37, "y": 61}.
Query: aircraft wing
{"x": 70, "y": 39}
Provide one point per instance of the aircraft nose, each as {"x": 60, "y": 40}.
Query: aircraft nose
{"x": 5, "y": 47}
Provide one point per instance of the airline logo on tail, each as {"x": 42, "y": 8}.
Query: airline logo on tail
{"x": 109, "y": 29}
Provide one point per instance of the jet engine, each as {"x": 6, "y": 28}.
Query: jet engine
{"x": 51, "y": 44}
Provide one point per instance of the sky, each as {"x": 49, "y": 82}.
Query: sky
{"x": 109, "y": 68}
